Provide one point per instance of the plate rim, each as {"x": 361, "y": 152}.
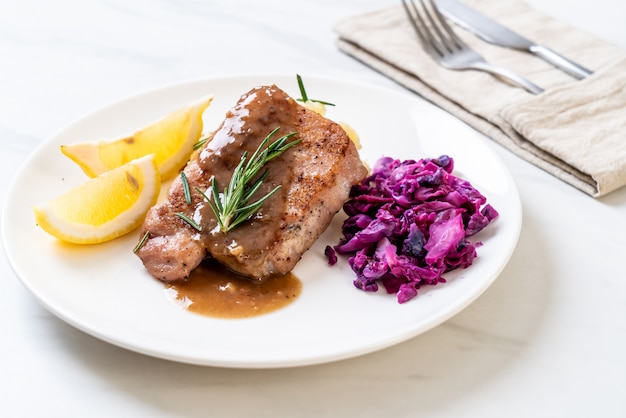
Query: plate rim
{"x": 514, "y": 195}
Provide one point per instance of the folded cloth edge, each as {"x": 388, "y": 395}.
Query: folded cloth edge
{"x": 592, "y": 111}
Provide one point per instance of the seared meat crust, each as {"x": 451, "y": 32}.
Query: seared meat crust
{"x": 316, "y": 176}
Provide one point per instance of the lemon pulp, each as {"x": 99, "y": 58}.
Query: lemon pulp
{"x": 104, "y": 207}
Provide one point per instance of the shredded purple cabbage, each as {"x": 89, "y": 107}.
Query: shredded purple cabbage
{"x": 331, "y": 255}
{"x": 408, "y": 224}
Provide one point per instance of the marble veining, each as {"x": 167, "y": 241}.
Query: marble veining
{"x": 547, "y": 339}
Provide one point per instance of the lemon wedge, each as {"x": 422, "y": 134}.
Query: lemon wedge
{"x": 104, "y": 207}
{"x": 170, "y": 139}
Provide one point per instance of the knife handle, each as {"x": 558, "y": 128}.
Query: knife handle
{"x": 559, "y": 61}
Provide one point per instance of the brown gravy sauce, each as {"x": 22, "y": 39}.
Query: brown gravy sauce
{"x": 214, "y": 291}
{"x": 243, "y": 129}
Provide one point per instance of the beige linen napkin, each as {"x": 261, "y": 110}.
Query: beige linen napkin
{"x": 575, "y": 130}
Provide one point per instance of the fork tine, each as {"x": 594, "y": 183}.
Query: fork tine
{"x": 435, "y": 23}
{"x": 428, "y": 26}
{"x": 418, "y": 23}
{"x": 443, "y": 23}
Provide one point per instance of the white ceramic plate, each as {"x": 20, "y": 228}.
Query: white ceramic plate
{"x": 105, "y": 291}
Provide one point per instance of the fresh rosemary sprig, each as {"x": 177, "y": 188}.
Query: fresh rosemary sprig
{"x": 232, "y": 207}
{"x": 305, "y": 97}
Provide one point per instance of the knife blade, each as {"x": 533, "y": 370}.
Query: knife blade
{"x": 493, "y": 32}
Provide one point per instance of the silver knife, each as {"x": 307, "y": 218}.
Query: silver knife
{"x": 494, "y": 33}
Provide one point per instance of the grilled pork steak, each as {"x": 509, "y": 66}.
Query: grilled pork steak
{"x": 316, "y": 176}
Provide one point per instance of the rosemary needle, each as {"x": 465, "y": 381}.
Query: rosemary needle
{"x": 186, "y": 191}
{"x": 141, "y": 242}
{"x": 190, "y": 221}
{"x": 305, "y": 97}
{"x": 200, "y": 143}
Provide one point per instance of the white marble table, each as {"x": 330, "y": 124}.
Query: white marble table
{"x": 548, "y": 339}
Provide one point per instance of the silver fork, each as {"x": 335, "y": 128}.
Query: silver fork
{"x": 440, "y": 42}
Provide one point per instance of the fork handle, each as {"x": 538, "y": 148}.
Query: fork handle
{"x": 559, "y": 61}
{"x": 509, "y": 75}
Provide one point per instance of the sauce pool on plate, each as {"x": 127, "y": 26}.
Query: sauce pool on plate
{"x": 214, "y": 291}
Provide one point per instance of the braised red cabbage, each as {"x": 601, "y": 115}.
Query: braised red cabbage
{"x": 408, "y": 224}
